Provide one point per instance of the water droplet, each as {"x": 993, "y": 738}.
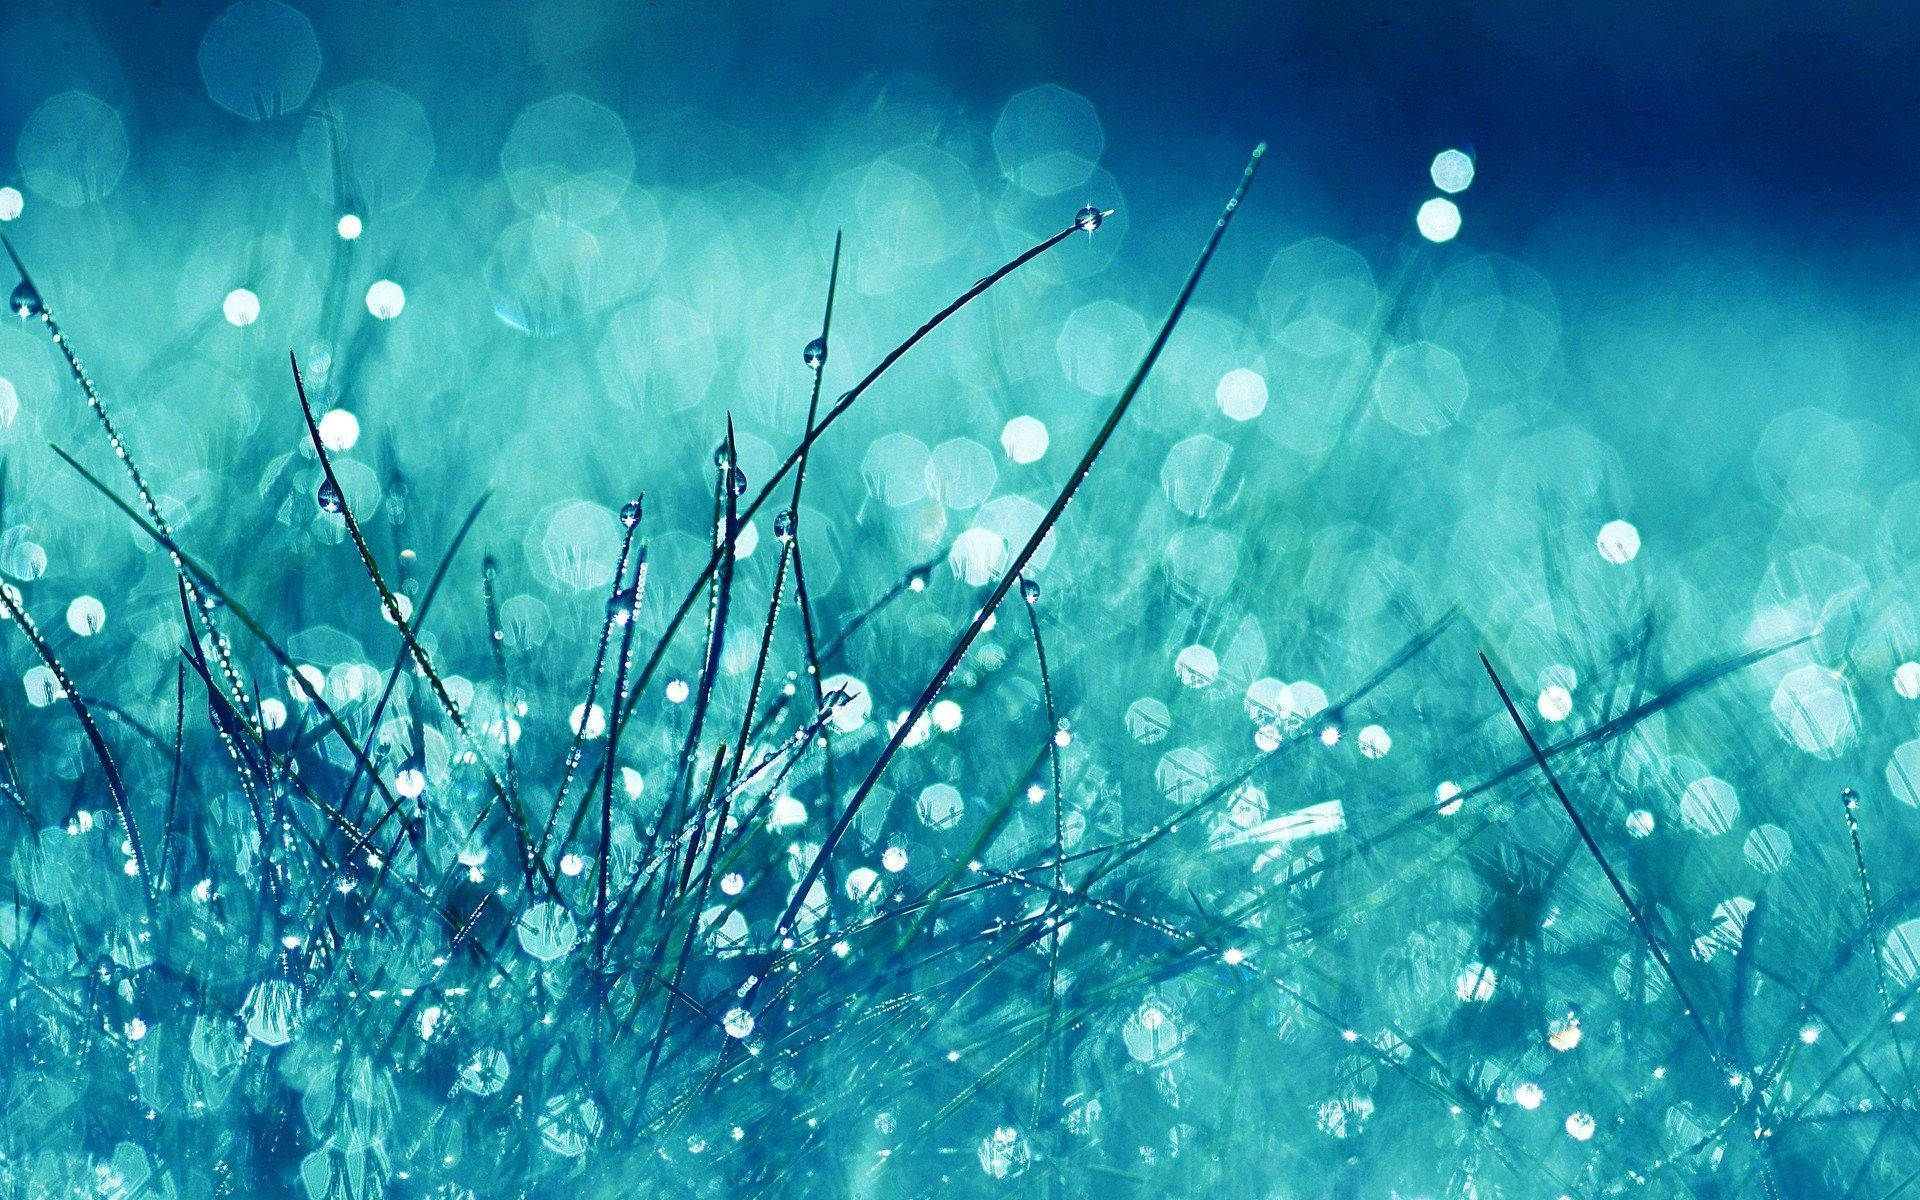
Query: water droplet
{"x": 25, "y": 301}
{"x": 329, "y": 497}
{"x": 816, "y": 353}
{"x": 621, "y": 604}
{"x": 1330, "y": 730}
{"x": 1089, "y": 218}
{"x": 1029, "y": 591}
{"x": 783, "y": 525}
{"x": 723, "y": 459}
{"x": 630, "y": 513}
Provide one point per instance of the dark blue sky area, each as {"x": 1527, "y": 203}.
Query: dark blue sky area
{"x": 1791, "y": 120}
{"x": 1792, "y": 124}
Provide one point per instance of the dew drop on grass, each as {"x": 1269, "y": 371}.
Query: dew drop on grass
{"x": 25, "y": 301}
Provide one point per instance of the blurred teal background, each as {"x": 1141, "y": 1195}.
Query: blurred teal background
{"x": 1581, "y": 338}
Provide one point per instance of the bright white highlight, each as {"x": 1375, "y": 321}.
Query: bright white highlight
{"x": 1024, "y": 439}
{"x": 385, "y": 299}
{"x": 1241, "y": 394}
{"x": 1452, "y": 171}
{"x": 86, "y": 615}
{"x": 1438, "y": 220}
{"x": 339, "y": 430}
{"x": 1618, "y": 542}
{"x": 242, "y": 308}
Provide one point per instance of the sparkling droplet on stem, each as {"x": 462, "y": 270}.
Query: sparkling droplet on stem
{"x": 621, "y": 604}
{"x": 25, "y": 301}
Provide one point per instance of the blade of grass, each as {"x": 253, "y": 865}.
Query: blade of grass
{"x": 965, "y": 641}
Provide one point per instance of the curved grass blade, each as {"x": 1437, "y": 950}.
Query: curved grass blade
{"x": 840, "y": 406}
{"x": 1019, "y": 564}
{"x": 116, "y": 787}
